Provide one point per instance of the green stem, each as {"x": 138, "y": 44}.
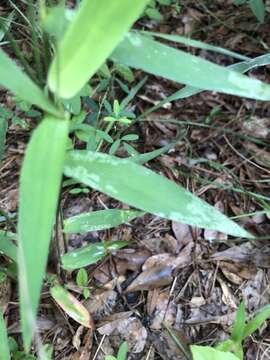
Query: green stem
{"x": 36, "y": 49}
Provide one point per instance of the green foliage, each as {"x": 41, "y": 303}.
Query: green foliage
{"x": 39, "y": 188}
{"x": 7, "y": 246}
{"x": 82, "y": 282}
{"x": 4, "y": 346}
{"x": 257, "y": 7}
{"x": 72, "y": 66}
{"x": 12, "y": 78}
{"x": 209, "y": 353}
{"x": 140, "y": 52}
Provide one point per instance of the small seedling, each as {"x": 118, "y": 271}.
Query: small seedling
{"x": 121, "y": 355}
{"x": 82, "y": 282}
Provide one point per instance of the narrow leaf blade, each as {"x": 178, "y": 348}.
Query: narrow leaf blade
{"x": 15, "y": 80}
{"x": 99, "y": 220}
{"x": 97, "y": 28}
{"x": 39, "y": 189}
{"x": 3, "y": 131}
{"x": 140, "y": 187}
{"x": 4, "y": 347}
{"x": 258, "y": 8}
{"x": 255, "y": 323}
{"x": 151, "y": 56}
{"x": 7, "y": 246}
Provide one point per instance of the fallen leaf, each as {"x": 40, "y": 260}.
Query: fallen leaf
{"x": 165, "y": 312}
{"x": 183, "y": 234}
{"x": 129, "y": 328}
{"x": 153, "y": 278}
{"x": 71, "y": 306}
{"x": 102, "y": 304}
{"x": 257, "y": 127}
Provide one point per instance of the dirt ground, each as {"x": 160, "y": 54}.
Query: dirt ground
{"x": 222, "y": 155}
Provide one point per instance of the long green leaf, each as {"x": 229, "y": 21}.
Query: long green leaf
{"x": 151, "y": 56}
{"x": 99, "y": 220}
{"x": 4, "y": 347}
{"x": 97, "y": 28}
{"x": 15, "y": 80}
{"x": 255, "y": 323}
{"x": 7, "y": 246}
{"x": 209, "y": 353}
{"x": 140, "y": 187}
{"x": 258, "y": 8}
{"x": 3, "y": 131}
{"x": 239, "y": 324}
{"x": 188, "y": 91}
{"x": 198, "y": 44}
{"x": 39, "y": 189}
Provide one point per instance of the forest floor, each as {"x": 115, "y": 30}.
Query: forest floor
{"x": 222, "y": 155}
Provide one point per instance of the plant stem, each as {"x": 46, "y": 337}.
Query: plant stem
{"x": 34, "y": 32}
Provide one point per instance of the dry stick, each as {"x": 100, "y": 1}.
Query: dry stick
{"x": 244, "y": 158}
{"x": 99, "y": 347}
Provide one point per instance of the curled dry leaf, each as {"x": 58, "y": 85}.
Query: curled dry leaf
{"x": 130, "y": 259}
{"x": 165, "y": 312}
{"x": 159, "y": 260}
{"x": 102, "y": 304}
{"x": 181, "y": 260}
{"x": 128, "y": 328}
{"x": 256, "y": 127}
{"x": 153, "y": 278}
{"x": 227, "y": 296}
{"x": 245, "y": 253}
{"x": 71, "y": 306}
{"x": 212, "y": 235}
{"x": 183, "y": 234}
{"x": 166, "y": 346}
{"x": 237, "y": 272}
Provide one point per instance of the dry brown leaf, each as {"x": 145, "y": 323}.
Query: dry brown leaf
{"x": 130, "y": 329}
{"x": 153, "y": 278}
{"x": 130, "y": 259}
{"x": 236, "y": 272}
{"x": 257, "y": 127}
{"x": 102, "y": 304}
{"x": 164, "y": 259}
{"x": 227, "y": 295}
{"x": 183, "y": 234}
{"x": 165, "y": 311}
{"x": 166, "y": 346}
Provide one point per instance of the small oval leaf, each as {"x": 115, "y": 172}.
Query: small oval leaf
{"x": 89, "y": 254}
{"x": 71, "y": 306}
{"x": 99, "y": 220}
